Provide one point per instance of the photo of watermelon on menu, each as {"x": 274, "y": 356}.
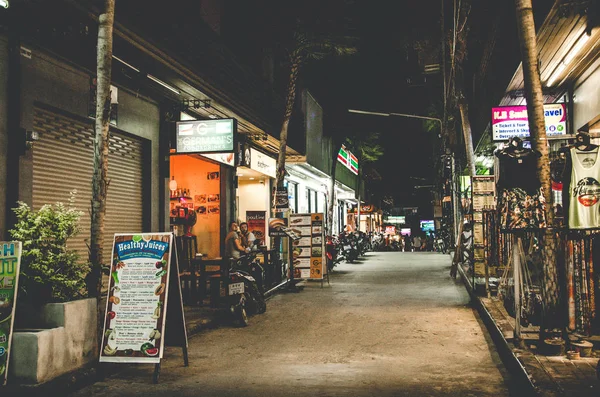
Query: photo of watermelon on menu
{"x": 134, "y": 322}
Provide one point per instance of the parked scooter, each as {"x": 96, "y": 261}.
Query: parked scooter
{"x": 244, "y": 296}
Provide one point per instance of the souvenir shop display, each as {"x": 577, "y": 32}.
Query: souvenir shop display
{"x": 521, "y": 213}
{"x": 521, "y": 201}
{"x": 581, "y": 175}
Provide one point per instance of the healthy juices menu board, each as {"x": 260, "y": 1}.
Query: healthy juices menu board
{"x": 10, "y": 262}
{"x": 308, "y": 251}
{"x": 134, "y": 323}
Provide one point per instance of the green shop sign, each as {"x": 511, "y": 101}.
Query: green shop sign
{"x": 206, "y": 136}
{"x": 10, "y": 261}
{"x": 348, "y": 159}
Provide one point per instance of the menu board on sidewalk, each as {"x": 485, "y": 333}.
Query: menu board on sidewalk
{"x": 10, "y": 262}
{"x": 257, "y": 224}
{"x": 142, "y": 271}
{"x": 308, "y": 251}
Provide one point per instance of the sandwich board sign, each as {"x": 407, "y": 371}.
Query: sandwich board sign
{"x": 308, "y": 252}
{"x": 144, "y": 307}
{"x": 10, "y": 262}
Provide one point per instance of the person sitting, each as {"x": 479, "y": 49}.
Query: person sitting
{"x": 233, "y": 243}
{"x": 247, "y": 237}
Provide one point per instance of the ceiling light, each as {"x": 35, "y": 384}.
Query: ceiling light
{"x": 4, "y": 3}
{"x": 212, "y": 116}
{"x": 568, "y": 58}
{"x": 122, "y": 61}
{"x": 167, "y": 86}
{"x": 251, "y": 178}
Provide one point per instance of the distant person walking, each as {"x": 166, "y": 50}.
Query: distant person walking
{"x": 416, "y": 243}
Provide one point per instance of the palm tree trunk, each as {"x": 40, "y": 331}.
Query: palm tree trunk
{"x": 466, "y": 127}
{"x": 99, "y": 179}
{"x": 535, "y": 101}
{"x": 332, "y": 193}
{"x": 283, "y": 134}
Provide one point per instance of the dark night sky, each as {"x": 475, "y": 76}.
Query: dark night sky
{"x": 373, "y": 79}
{"x": 376, "y": 79}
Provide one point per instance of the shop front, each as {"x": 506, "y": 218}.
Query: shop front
{"x": 371, "y": 218}
{"x": 255, "y": 175}
{"x": 202, "y": 172}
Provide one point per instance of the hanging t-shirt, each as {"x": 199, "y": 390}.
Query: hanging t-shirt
{"x": 584, "y": 190}
{"x": 518, "y": 170}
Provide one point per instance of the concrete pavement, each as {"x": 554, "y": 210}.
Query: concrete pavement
{"x": 394, "y": 324}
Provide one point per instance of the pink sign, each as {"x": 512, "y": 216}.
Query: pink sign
{"x": 511, "y": 121}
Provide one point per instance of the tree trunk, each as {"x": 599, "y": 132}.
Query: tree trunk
{"x": 99, "y": 179}
{"x": 283, "y": 134}
{"x": 535, "y": 101}
{"x": 466, "y": 127}
{"x": 331, "y": 203}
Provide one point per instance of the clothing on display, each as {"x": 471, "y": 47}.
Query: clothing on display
{"x": 581, "y": 198}
{"x": 521, "y": 201}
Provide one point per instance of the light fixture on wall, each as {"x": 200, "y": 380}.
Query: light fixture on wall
{"x": 172, "y": 182}
{"x": 568, "y": 58}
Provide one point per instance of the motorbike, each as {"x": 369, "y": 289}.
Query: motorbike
{"x": 333, "y": 252}
{"x": 244, "y": 296}
{"x": 349, "y": 247}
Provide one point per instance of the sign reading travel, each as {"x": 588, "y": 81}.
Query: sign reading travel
{"x": 136, "y": 307}
{"x": 511, "y": 121}
{"x": 348, "y": 159}
{"x": 10, "y": 262}
{"x": 206, "y": 136}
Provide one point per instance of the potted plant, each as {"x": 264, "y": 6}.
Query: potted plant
{"x": 49, "y": 271}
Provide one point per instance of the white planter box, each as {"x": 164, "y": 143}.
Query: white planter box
{"x": 68, "y": 343}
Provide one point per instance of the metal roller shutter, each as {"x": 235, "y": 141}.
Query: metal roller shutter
{"x": 63, "y": 161}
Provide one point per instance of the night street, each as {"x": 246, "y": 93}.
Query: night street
{"x": 394, "y": 324}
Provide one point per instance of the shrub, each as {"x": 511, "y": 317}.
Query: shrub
{"x": 49, "y": 271}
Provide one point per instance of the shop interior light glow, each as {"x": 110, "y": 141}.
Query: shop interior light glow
{"x": 568, "y": 58}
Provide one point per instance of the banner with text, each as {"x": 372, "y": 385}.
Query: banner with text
{"x": 134, "y": 323}
{"x": 10, "y": 262}
{"x": 257, "y": 223}
{"x": 511, "y": 121}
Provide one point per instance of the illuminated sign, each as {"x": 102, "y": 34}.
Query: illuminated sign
{"x": 510, "y": 121}
{"x": 262, "y": 163}
{"x": 348, "y": 159}
{"x": 398, "y": 220}
{"x": 206, "y": 136}
{"x": 427, "y": 225}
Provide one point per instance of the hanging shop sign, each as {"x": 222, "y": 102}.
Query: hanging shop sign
{"x": 10, "y": 262}
{"x": 206, "y": 136}
{"x": 308, "y": 254}
{"x": 282, "y": 200}
{"x": 390, "y": 230}
{"x": 224, "y": 158}
{"x": 144, "y": 286}
{"x": 395, "y": 219}
{"x": 364, "y": 209}
{"x": 277, "y": 227}
{"x": 257, "y": 224}
{"x": 348, "y": 160}
{"x": 511, "y": 121}
{"x": 262, "y": 163}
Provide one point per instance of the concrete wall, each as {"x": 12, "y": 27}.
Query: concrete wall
{"x": 69, "y": 342}
{"x": 62, "y": 86}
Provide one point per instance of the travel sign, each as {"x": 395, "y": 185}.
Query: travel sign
{"x": 206, "y": 136}
{"x": 511, "y": 121}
